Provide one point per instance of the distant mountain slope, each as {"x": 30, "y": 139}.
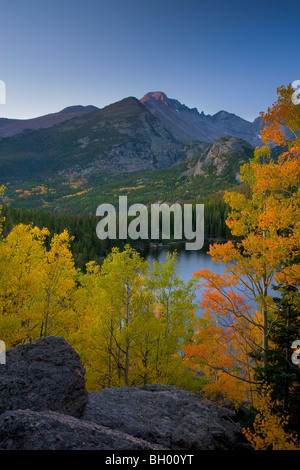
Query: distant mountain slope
{"x": 10, "y": 127}
{"x": 152, "y": 149}
{"x": 129, "y": 135}
{"x": 185, "y": 124}
{"x": 188, "y": 124}
{"x": 124, "y": 136}
{"x": 210, "y": 171}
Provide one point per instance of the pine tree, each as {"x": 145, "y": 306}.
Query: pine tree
{"x": 281, "y": 373}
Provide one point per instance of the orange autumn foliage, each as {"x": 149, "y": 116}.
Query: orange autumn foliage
{"x": 222, "y": 342}
{"x": 283, "y": 116}
{"x": 265, "y": 222}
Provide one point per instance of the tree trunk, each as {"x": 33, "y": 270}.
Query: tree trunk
{"x": 265, "y": 325}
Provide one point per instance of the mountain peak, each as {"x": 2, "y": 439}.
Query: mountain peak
{"x": 223, "y": 114}
{"x": 155, "y": 95}
{"x": 78, "y": 109}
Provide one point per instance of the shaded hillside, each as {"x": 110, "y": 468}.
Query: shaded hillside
{"x": 145, "y": 149}
{"x": 11, "y": 127}
{"x": 122, "y": 137}
{"x": 83, "y": 193}
{"x": 213, "y": 169}
{"x": 130, "y": 135}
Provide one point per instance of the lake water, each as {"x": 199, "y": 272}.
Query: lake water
{"x": 189, "y": 262}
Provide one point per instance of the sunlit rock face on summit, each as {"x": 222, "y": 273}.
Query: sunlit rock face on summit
{"x": 156, "y": 95}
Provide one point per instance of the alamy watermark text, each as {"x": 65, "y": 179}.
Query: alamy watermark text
{"x": 2, "y": 352}
{"x": 2, "y": 92}
{"x": 185, "y": 225}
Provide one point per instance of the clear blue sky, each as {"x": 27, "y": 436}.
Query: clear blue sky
{"x": 211, "y": 54}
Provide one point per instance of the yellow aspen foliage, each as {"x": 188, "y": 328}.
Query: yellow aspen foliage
{"x": 35, "y": 285}
{"x": 21, "y": 256}
{"x": 2, "y": 188}
{"x": 269, "y": 428}
{"x": 134, "y": 321}
{"x": 58, "y": 282}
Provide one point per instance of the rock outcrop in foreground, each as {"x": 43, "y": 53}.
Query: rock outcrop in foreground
{"x": 44, "y": 405}
{"x": 45, "y": 375}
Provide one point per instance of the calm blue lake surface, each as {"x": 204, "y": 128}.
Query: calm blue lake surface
{"x": 190, "y": 262}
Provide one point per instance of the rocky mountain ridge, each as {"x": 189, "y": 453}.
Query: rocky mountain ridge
{"x": 184, "y": 123}
{"x": 129, "y": 144}
{"x": 188, "y": 124}
{"x": 122, "y": 137}
{"x": 225, "y": 156}
{"x": 130, "y": 135}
